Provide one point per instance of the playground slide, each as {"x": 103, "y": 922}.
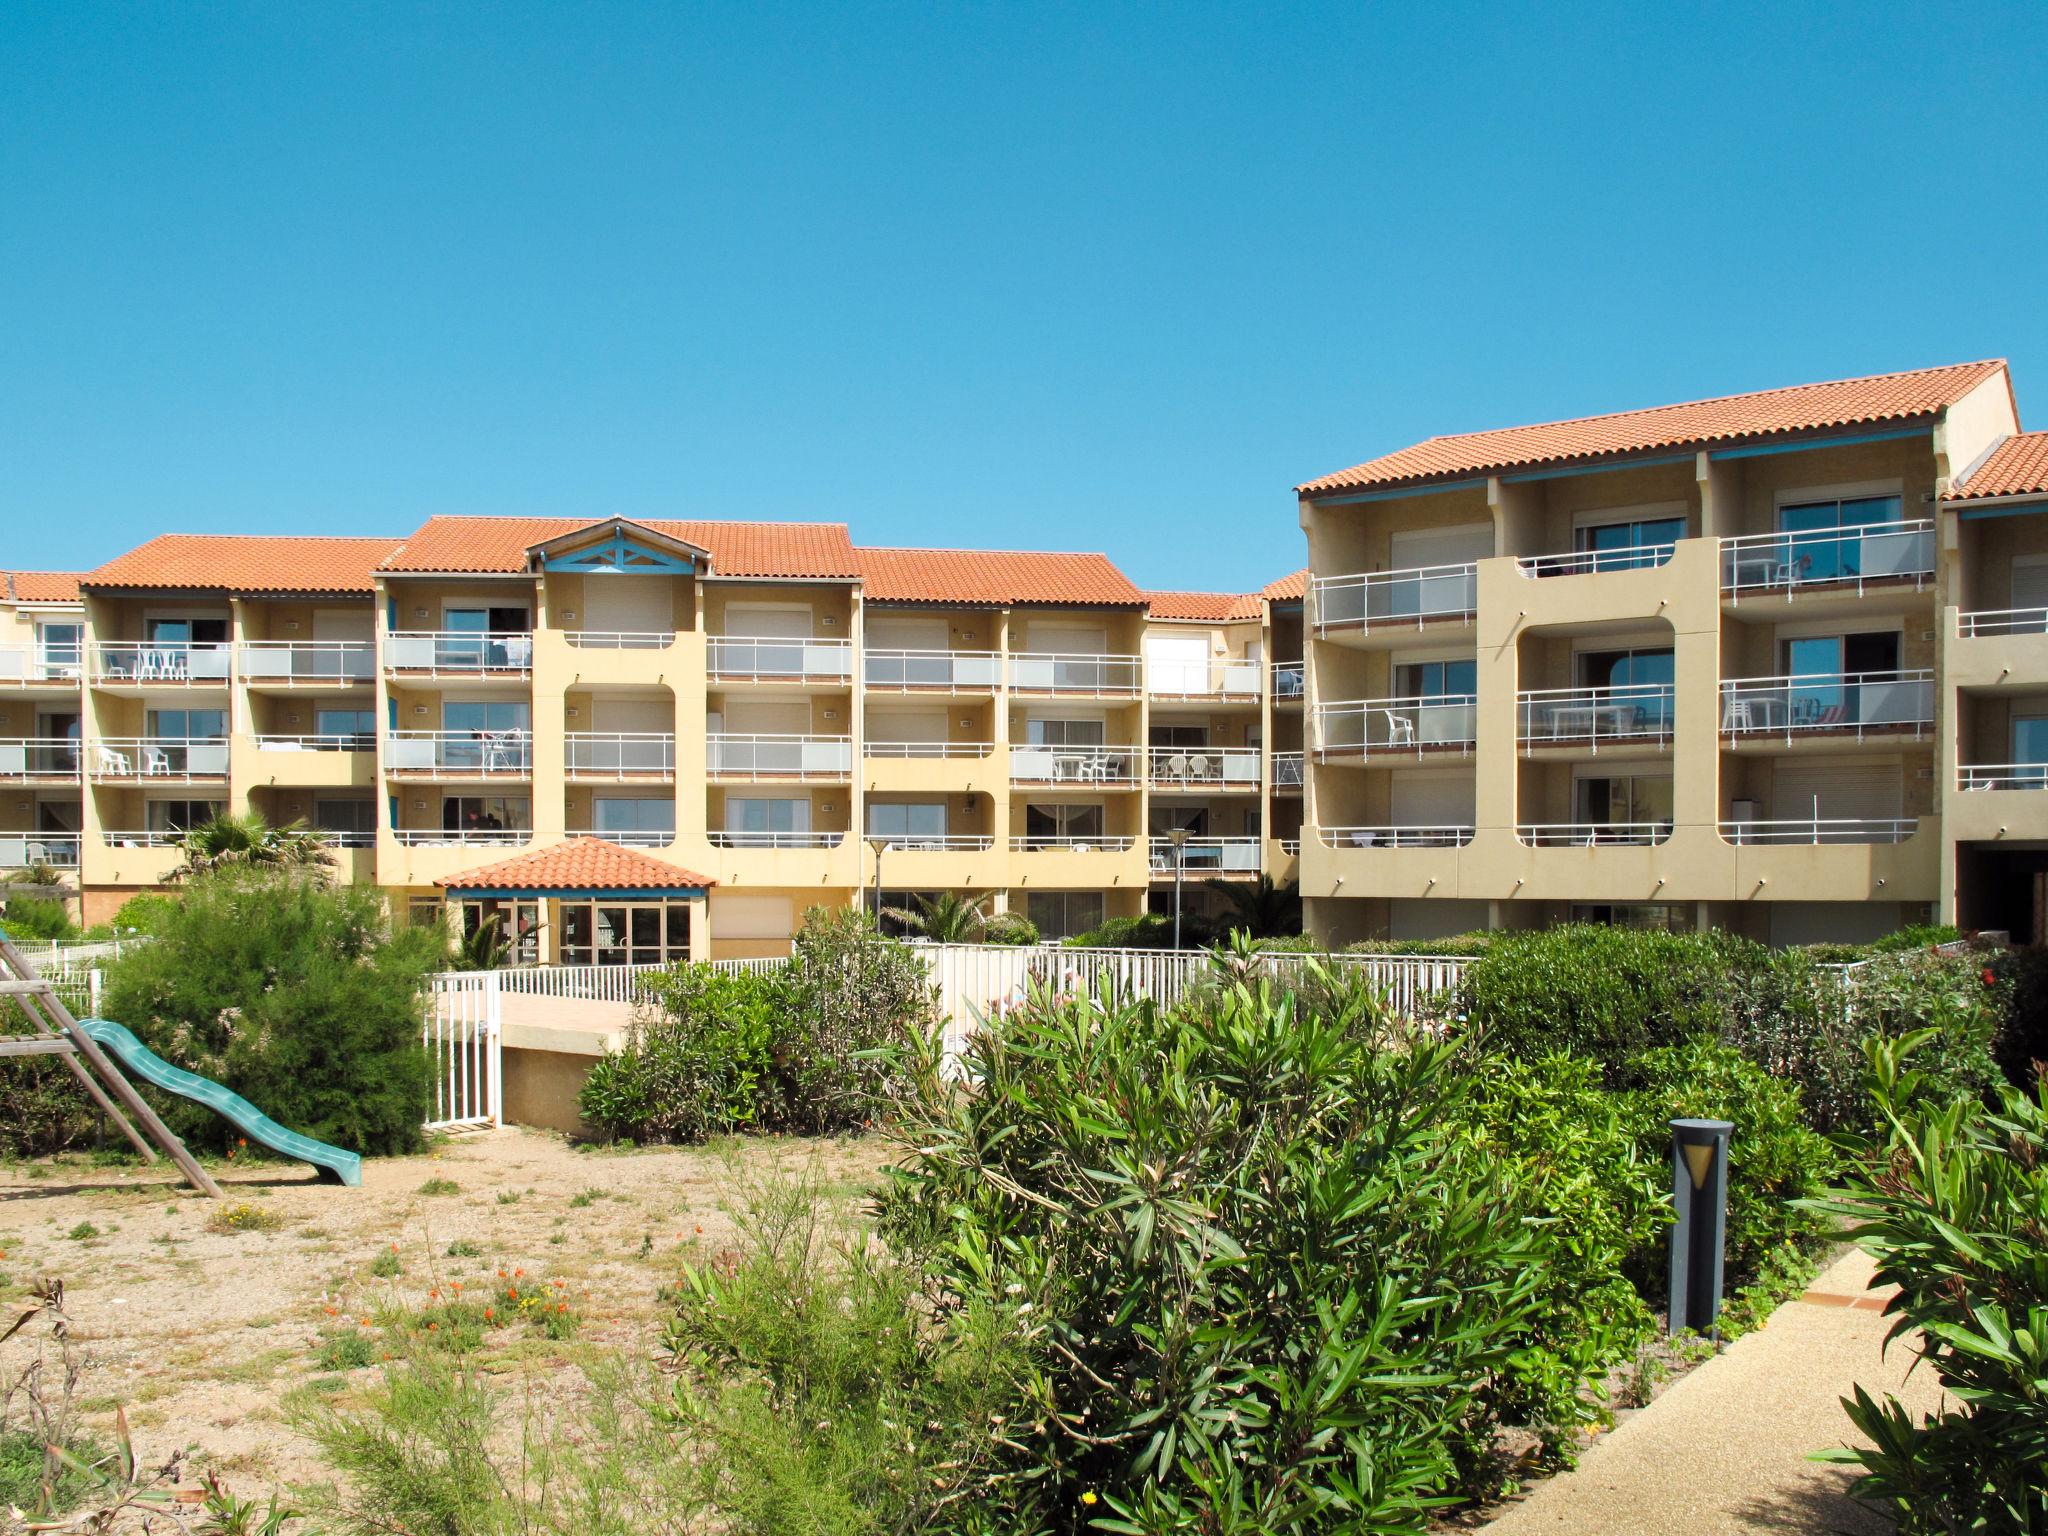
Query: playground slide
{"x": 335, "y": 1165}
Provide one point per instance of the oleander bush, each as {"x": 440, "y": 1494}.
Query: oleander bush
{"x": 1951, "y": 1199}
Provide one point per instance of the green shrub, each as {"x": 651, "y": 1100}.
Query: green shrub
{"x": 1951, "y": 1199}
{"x": 1278, "y": 1285}
{"x": 1916, "y": 936}
{"x": 1775, "y": 1159}
{"x": 1147, "y": 930}
{"x": 35, "y": 917}
{"x": 1457, "y": 946}
{"x": 854, "y": 995}
{"x": 696, "y": 1062}
{"x": 296, "y": 995}
{"x": 46, "y": 1109}
{"x": 145, "y": 912}
{"x": 2021, "y": 977}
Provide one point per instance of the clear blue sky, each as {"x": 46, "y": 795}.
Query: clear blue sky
{"x": 1080, "y": 276}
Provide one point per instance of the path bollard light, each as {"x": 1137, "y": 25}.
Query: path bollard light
{"x": 1699, "y": 1191}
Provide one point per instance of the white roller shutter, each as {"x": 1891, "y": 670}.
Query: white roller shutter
{"x": 1424, "y": 799}
{"x": 751, "y": 623}
{"x": 1068, "y": 640}
{"x": 737, "y": 916}
{"x": 2030, "y": 584}
{"x": 1441, "y": 546}
{"x": 344, "y": 624}
{"x": 1837, "y": 792}
{"x": 906, "y": 725}
{"x": 1177, "y": 663}
{"x": 629, "y": 605}
{"x": 896, "y": 632}
{"x": 632, "y": 716}
{"x": 767, "y": 717}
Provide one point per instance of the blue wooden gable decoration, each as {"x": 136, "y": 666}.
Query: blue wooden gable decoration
{"x": 621, "y": 553}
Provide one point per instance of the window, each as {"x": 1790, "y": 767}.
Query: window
{"x": 518, "y": 925}
{"x": 181, "y": 815}
{"x": 1672, "y": 917}
{"x": 183, "y": 632}
{"x": 1436, "y": 679}
{"x": 909, "y": 823}
{"x": 645, "y": 818}
{"x": 486, "y": 813}
{"x": 625, "y": 932}
{"x": 61, "y": 646}
{"x": 2030, "y": 739}
{"x": 1828, "y": 676}
{"x": 1063, "y": 821}
{"x": 355, "y": 727}
{"x": 426, "y": 912}
{"x": 1644, "y": 670}
{"x": 357, "y": 818}
{"x": 187, "y": 724}
{"x": 1193, "y": 819}
{"x": 1629, "y": 545}
{"x": 1827, "y": 553}
{"x": 754, "y": 819}
{"x": 470, "y": 637}
{"x": 497, "y": 715}
{"x": 1626, "y": 799}
{"x": 1065, "y": 733}
{"x": 1178, "y": 735}
{"x": 1062, "y": 914}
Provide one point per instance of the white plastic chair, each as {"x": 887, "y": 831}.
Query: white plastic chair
{"x": 111, "y": 761}
{"x": 155, "y": 760}
{"x": 1400, "y": 729}
{"x": 1198, "y": 767}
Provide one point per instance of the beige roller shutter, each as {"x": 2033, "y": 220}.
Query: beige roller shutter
{"x": 1837, "y": 791}
{"x": 1422, "y": 799}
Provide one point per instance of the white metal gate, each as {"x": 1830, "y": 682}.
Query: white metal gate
{"x": 463, "y": 1041}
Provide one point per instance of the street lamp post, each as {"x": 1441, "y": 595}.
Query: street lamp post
{"x": 1178, "y": 837}
{"x": 880, "y": 845}
{"x": 1699, "y": 1190}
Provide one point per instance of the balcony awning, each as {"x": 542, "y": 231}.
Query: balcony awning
{"x": 587, "y": 867}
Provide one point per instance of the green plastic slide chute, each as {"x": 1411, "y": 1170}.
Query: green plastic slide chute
{"x": 335, "y": 1165}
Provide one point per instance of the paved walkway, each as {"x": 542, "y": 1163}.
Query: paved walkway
{"x": 1724, "y": 1450}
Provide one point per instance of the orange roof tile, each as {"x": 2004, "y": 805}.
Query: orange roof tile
{"x": 2017, "y": 467}
{"x": 39, "y": 586}
{"x": 995, "y": 578}
{"x": 1765, "y": 413}
{"x": 232, "y": 562}
{"x": 492, "y": 545}
{"x": 1200, "y": 607}
{"x": 1287, "y": 588}
{"x": 580, "y": 864}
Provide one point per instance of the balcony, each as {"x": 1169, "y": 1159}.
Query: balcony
{"x": 795, "y": 759}
{"x": 354, "y": 742}
{"x": 306, "y": 663}
{"x": 459, "y": 653}
{"x": 638, "y": 837}
{"x": 1854, "y": 705}
{"x": 618, "y": 755}
{"x": 947, "y": 842}
{"x": 1831, "y": 559}
{"x": 1224, "y": 768}
{"x": 926, "y": 749}
{"x": 1218, "y": 680}
{"x": 1636, "y": 713}
{"x": 1818, "y": 832}
{"x": 1076, "y": 676}
{"x": 463, "y": 837}
{"x": 741, "y": 659}
{"x": 1594, "y": 562}
{"x": 1290, "y": 773}
{"x": 1412, "y": 599}
{"x": 620, "y": 639}
{"x": 151, "y": 837}
{"x": 128, "y": 759}
{"x": 1432, "y": 726}
{"x": 1593, "y": 834}
{"x": 1054, "y": 843}
{"x": 1290, "y": 682}
{"x": 459, "y": 754}
{"x": 161, "y": 665}
{"x": 1973, "y": 776}
{"x": 1206, "y": 856}
{"x": 37, "y": 666}
{"x": 731, "y": 839}
{"x": 1089, "y": 767}
{"x": 2002, "y": 621}
{"x": 1407, "y": 836}
{"x": 32, "y": 759}
{"x": 945, "y": 672}
{"x": 19, "y": 850}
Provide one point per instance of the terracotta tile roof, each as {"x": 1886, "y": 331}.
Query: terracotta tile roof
{"x": 580, "y": 864}
{"x": 995, "y": 578}
{"x": 233, "y": 562}
{"x": 39, "y": 586}
{"x": 1766, "y": 413}
{"x": 1203, "y": 607}
{"x": 1287, "y": 589}
{"x": 490, "y": 545}
{"x": 2017, "y": 467}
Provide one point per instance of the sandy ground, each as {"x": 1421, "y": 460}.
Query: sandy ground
{"x": 201, "y": 1332}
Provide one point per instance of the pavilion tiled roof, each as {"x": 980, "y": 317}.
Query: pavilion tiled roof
{"x": 1924, "y": 392}
{"x": 1287, "y": 588}
{"x": 498, "y": 545}
{"x": 39, "y": 586}
{"x": 2017, "y": 467}
{"x": 580, "y": 864}
{"x": 995, "y": 578}
{"x": 237, "y": 562}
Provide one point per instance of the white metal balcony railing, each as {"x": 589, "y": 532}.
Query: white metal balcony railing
{"x": 1818, "y": 831}
{"x": 1080, "y": 675}
{"x": 620, "y": 639}
{"x": 1840, "y": 702}
{"x": 1045, "y": 842}
{"x": 307, "y": 661}
{"x": 1289, "y": 770}
{"x": 41, "y": 664}
{"x": 508, "y": 753}
{"x": 18, "y": 850}
{"x": 131, "y": 757}
{"x": 123, "y": 661}
{"x": 1593, "y": 834}
{"x": 932, "y": 671}
{"x": 1203, "y": 767}
{"x": 1632, "y": 712}
{"x": 926, "y": 748}
{"x": 362, "y": 741}
{"x": 1207, "y": 856}
{"x": 1290, "y": 681}
{"x": 2002, "y": 776}
{"x": 1785, "y": 562}
{"x": 1593, "y": 562}
{"x": 459, "y": 653}
{"x": 1291, "y": 846}
{"x": 463, "y": 837}
{"x": 2002, "y": 621}
{"x": 1407, "y": 836}
{"x": 1398, "y": 598}
{"x": 34, "y": 757}
{"x": 944, "y": 842}
{"x": 778, "y": 757}
{"x": 741, "y": 658}
{"x": 1074, "y": 765}
{"x": 1437, "y": 723}
{"x": 352, "y": 838}
{"x": 1217, "y": 678}
{"x": 634, "y": 837}
{"x": 743, "y": 839}
{"x": 619, "y": 754}
{"x": 148, "y": 837}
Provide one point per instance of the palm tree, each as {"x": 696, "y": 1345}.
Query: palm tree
{"x": 227, "y": 841}
{"x": 949, "y": 918}
{"x": 1264, "y": 910}
{"x": 38, "y": 879}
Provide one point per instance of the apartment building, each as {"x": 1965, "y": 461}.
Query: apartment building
{"x": 1775, "y": 663}
{"x": 636, "y": 740}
